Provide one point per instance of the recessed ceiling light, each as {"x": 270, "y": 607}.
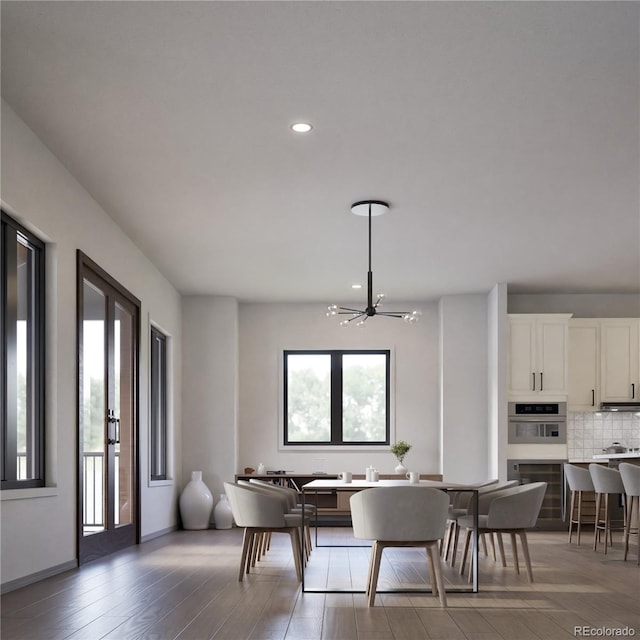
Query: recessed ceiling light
{"x": 356, "y": 286}
{"x": 301, "y": 127}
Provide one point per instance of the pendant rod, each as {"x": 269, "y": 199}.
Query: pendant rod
{"x": 369, "y": 274}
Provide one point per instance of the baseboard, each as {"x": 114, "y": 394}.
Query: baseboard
{"x": 158, "y": 534}
{"x": 12, "y": 585}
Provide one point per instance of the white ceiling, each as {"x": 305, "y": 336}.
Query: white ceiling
{"x": 505, "y": 136}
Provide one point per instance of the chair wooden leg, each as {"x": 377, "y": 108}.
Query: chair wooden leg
{"x": 294, "y": 534}
{"x": 465, "y": 550}
{"x": 456, "y": 536}
{"x": 525, "y": 553}
{"x": 501, "y": 548}
{"x": 573, "y": 500}
{"x": 627, "y": 526}
{"x": 492, "y": 544}
{"x": 246, "y": 543}
{"x": 375, "y": 572}
{"x": 372, "y": 561}
{"x": 579, "y": 514}
{"x": 437, "y": 570}
{"x": 432, "y": 572}
{"x": 484, "y": 545}
{"x": 446, "y": 542}
{"x": 607, "y": 524}
{"x": 596, "y": 529}
{"x": 514, "y": 551}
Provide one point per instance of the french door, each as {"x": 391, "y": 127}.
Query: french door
{"x": 108, "y": 334}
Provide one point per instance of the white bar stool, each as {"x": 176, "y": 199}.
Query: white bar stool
{"x": 579, "y": 480}
{"x": 630, "y": 474}
{"x": 606, "y": 482}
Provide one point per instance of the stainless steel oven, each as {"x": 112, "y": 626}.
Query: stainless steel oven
{"x": 537, "y": 423}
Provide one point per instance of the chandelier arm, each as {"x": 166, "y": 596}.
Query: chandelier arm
{"x": 347, "y": 310}
{"x": 393, "y": 314}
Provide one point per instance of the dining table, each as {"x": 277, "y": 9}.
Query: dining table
{"x": 324, "y": 485}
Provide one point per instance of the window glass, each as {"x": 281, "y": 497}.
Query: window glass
{"x": 364, "y": 392}
{"x": 336, "y": 397}
{"x": 22, "y": 382}
{"x": 158, "y": 466}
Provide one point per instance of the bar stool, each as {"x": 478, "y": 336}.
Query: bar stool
{"x": 630, "y": 474}
{"x": 606, "y": 482}
{"x": 579, "y": 480}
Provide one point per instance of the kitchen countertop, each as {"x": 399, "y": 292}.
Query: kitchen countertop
{"x": 617, "y": 456}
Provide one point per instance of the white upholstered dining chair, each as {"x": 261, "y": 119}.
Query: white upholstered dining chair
{"x": 402, "y": 516}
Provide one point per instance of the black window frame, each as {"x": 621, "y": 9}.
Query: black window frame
{"x": 158, "y": 409}
{"x": 11, "y": 232}
{"x": 336, "y": 397}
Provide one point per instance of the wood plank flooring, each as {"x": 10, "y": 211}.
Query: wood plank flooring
{"x": 184, "y": 586}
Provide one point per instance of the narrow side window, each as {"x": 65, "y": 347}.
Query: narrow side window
{"x": 22, "y": 295}
{"x": 158, "y": 382}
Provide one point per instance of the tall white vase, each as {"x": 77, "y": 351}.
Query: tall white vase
{"x": 196, "y": 503}
{"x": 222, "y": 513}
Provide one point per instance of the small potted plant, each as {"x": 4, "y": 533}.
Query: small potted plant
{"x": 400, "y": 450}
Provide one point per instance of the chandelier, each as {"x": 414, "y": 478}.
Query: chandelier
{"x": 370, "y": 208}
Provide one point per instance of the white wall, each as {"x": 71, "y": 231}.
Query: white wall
{"x": 39, "y": 525}
{"x": 267, "y": 329}
{"x": 463, "y": 387}
{"x": 210, "y": 389}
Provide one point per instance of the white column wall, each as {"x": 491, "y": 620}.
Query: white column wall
{"x": 210, "y": 389}
{"x": 39, "y": 525}
{"x": 497, "y": 381}
{"x": 463, "y": 387}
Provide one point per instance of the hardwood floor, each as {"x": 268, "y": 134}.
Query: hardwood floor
{"x": 184, "y": 586}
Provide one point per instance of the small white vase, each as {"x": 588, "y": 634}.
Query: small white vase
{"x": 222, "y": 513}
{"x": 401, "y": 469}
{"x": 196, "y": 503}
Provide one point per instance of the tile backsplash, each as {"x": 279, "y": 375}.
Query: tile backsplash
{"x": 589, "y": 433}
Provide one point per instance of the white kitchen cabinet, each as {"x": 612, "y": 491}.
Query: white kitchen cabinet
{"x": 538, "y": 354}
{"x": 584, "y": 364}
{"x": 620, "y": 360}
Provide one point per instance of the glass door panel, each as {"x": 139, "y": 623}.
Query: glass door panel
{"x": 123, "y": 408}
{"x": 93, "y": 408}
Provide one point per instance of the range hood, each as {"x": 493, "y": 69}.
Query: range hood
{"x": 633, "y": 407}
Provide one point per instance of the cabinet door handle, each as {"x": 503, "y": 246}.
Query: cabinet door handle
{"x": 593, "y": 397}
{"x": 534, "y": 380}
{"x": 633, "y": 390}
{"x": 541, "y": 382}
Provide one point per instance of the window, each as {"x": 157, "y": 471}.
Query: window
{"x": 158, "y": 467}
{"x": 336, "y": 397}
{"x": 22, "y": 355}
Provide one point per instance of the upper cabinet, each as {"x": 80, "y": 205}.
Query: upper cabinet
{"x": 538, "y": 355}
{"x": 620, "y": 359}
{"x": 604, "y": 362}
{"x": 584, "y": 364}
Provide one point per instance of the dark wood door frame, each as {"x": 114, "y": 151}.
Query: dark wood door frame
{"x": 118, "y": 538}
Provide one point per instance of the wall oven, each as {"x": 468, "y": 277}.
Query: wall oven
{"x": 537, "y": 423}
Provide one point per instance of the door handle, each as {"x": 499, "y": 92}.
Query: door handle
{"x": 534, "y": 381}
{"x": 112, "y": 420}
{"x": 593, "y": 397}
{"x": 541, "y": 382}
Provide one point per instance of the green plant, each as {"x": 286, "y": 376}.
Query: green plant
{"x": 400, "y": 449}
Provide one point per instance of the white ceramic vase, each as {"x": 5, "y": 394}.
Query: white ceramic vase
{"x": 400, "y": 469}
{"x": 196, "y": 503}
{"x": 222, "y": 513}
